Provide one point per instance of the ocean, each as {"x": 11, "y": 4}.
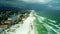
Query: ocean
{"x": 47, "y": 23}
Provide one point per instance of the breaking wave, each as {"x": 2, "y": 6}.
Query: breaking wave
{"x": 46, "y": 26}
{"x": 36, "y": 24}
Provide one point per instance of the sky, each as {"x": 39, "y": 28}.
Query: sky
{"x": 51, "y": 4}
{"x": 37, "y": 1}
{"x": 54, "y": 4}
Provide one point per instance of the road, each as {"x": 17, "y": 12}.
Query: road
{"x": 26, "y": 28}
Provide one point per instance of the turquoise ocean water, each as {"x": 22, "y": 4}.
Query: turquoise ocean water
{"x": 47, "y": 23}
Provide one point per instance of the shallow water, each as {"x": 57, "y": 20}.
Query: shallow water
{"x": 46, "y": 24}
